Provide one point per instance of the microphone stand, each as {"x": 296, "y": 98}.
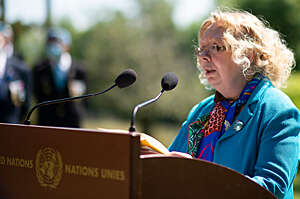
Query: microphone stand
{"x": 132, "y": 127}
{"x": 27, "y": 121}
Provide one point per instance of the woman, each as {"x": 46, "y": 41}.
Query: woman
{"x": 248, "y": 125}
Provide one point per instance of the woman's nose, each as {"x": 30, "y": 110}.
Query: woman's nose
{"x": 204, "y": 56}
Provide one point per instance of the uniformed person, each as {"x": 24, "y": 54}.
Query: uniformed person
{"x": 58, "y": 76}
{"x": 15, "y": 80}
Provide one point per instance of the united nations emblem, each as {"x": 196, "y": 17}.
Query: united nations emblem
{"x": 48, "y": 167}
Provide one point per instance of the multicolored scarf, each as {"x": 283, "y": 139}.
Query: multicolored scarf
{"x": 206, "y": 130}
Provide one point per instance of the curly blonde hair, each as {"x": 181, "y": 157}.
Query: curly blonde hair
{"x": 245, "y": 33}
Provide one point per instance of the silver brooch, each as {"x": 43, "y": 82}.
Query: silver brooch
{"x": 238, "y": 125}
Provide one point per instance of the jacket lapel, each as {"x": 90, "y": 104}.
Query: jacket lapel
{"x": 247, "y": 112}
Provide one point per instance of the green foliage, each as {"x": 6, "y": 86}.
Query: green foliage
{"x": 152, "y": 46}
{"x": 297, "y": 185}
{"x": 293, "y": 90}
{"x": 31, "y": 44}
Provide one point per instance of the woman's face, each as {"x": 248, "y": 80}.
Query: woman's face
{"x": 221, "y": 72}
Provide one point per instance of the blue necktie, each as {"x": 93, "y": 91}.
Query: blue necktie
{"x": 60, "y": 78}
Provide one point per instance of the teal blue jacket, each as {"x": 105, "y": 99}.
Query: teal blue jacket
{"x": 263, "y": 141}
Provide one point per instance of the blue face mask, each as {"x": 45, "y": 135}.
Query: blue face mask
{"x": 54, "y": 52}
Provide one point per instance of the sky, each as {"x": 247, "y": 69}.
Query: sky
{"x": 84, "y": 13}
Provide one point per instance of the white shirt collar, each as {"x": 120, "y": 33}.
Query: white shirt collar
{"x": 3, "y": 59}
{"x": 65, "y": 61}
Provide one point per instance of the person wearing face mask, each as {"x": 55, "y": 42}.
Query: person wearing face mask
{"x": 248, "y": 124}
{"x": 15, "y": 80}
{"x": 57, "y": 76}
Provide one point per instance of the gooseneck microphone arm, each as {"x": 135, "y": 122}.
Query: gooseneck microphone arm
{"x": 168, "y": 82}
{"x": 136, "y": 108}
{"x": 46, "y": 103}
{"x": 125, "y": 79}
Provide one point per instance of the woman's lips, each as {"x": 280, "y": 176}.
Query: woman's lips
{"x": 209, "y": 72}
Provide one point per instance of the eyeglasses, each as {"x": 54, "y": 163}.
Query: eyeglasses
{"x": 210, "y": 49}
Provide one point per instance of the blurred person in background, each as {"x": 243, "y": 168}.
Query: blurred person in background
{"x": 58, "y": 76}
{"x": 249, "y": 124}
{"x": 15, "y": 80}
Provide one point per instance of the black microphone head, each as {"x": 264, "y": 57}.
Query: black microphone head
{"x": 126, "y": 78}
{"x": 169, "y": 81}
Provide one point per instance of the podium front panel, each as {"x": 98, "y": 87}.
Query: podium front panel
{"x": 172, "y": 177}
{"x": 47, "y": 162}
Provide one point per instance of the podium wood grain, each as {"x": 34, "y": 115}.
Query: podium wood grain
{"x": 171, "y": 177}
{"x": 112, "y": 159}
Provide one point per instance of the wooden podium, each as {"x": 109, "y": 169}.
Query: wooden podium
{"x": 46, "y": 162}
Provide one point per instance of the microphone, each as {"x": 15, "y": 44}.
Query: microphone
{"x": 168, "y": 82}
{"x": 125, "y": 79}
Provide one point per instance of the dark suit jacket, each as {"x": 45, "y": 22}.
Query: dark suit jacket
{"x": 63, "y": 114}
{"x": 16, "y": 70}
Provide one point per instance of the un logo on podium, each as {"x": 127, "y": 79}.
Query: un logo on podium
{"x": 48, "y": 167}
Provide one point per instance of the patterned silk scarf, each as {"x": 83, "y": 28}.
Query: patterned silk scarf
{"x": 207, "y": 129}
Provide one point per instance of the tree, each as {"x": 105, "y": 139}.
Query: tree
{"x": 150, "y": 44}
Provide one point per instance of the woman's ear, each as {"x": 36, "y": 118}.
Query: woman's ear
{"x": 251, "y": 56}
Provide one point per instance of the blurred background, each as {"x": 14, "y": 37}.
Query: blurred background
{"x": 150, "y": 36}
